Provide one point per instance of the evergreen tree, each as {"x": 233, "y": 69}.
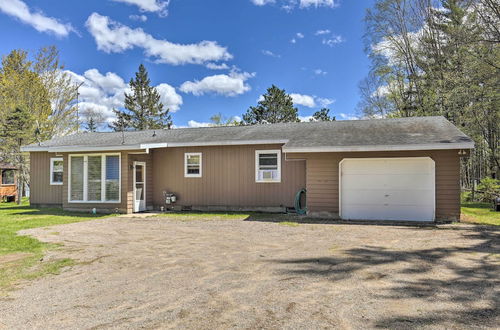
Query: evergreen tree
{"x": 275, "y": 107}
{"x": 91, "y": 125}
{"x": 322, "y": 115}
{"x": 143, "y": 108}
{"x": 17, "y": 130}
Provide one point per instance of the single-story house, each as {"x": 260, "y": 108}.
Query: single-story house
{"x": 384, "y": 169}
{"x": 8, "y": 185}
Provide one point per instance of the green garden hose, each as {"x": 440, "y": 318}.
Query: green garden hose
{"x": 298, "y": 207}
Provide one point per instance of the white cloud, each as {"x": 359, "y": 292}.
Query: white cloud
{"x": 305, "y": 118}
{"x": 194, "y": 124}
{"x": 348, "y": 116}
{"x": 334, "y": 40}
{"x": 215, "y": 66}
{"x": 169, "y": 97}
{"x": 103, "y": 92}
{"x": 293, "y": 41}
{"x": 231, "y": 84}
{"x": 152, "y": 6}
{"x": 321, "y": 32}
{"x": 261, "y": 2}
{"x": 323, "y": 101}
{"x": 320, "y": 72}
{"x": 140, "y": 18}
{"x": 317, "y": 3}
{"x": 270, "y": 53}
{"x": 291, "y": 4}
{"x": 305, "y": 100}
{"x": 113, "y": 37}
{"x": 311, "y": 101}
{"x": 300, "y": 35}
{"x": 37, "y": 20}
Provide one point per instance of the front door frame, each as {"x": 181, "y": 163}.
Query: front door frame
{"x": 137, "y": 207}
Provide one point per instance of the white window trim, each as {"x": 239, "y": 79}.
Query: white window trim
{"x": 257, "y": 153}
{"x": 103, "y": 178}
{"x": 52, "y": 160}
{"x": 186, "y": 174}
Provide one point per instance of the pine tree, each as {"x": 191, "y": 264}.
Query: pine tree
{"x": 275, "y": 107}
{"x": 322, "y": 115}
{"x": 91, "y": 125}
{"x": 143, "y": 108}
{"x": 17, "y": 130}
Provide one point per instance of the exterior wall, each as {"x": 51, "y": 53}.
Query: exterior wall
{"x": 323, "y": 179}
{"x": 228, "y": 178}
{"x": 42, "y": 193}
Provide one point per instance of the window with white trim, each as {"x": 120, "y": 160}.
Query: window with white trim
{"x": 94, "y": 178}
{"x": 192, "y": 165}
{"x": 268, "y": 166}
{"x": 56, "y": 171}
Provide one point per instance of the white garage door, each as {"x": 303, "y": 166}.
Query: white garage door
{"x": 387, "y": 189}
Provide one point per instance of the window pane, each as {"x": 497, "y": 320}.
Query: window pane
{"x": 7, "y": 177}
{"x": 112, "y": 178}
{"x": 139, "y": 176}
{"x": 195, "y": 160}
{"x": 193, "y": 169}
{"x": 268, "y": 161}
{"x": 57, "y": 177}
{"x": 76, "y": 179}
{"x": 57, "y": 166}
{"x": 94, "y": 178}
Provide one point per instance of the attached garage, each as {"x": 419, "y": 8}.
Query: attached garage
{"x": 387, "y": 189}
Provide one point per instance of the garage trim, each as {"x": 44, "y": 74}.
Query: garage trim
{"x": 389, "y": 158}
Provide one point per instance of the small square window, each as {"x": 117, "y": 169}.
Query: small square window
{"x": 56, "y": 171}
{"x": 192, "y": 165}
{"x": 267, "y": 166}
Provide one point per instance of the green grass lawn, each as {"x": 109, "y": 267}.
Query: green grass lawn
{"x": 21, "y": 256}
{"x": 480, "y": 213}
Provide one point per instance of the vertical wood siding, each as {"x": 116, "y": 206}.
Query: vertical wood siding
{"x": 323, "y": 179}
{"x": 41, "y": 191}
{"x": 228, "y": 178}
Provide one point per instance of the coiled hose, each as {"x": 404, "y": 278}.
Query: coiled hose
{"x": 298, "y": 207}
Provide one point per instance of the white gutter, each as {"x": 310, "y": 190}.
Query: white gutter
{"x": 436, "y": 146}
{"x": 147, "y": 146}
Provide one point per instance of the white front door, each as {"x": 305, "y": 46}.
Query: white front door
{"x": 139, "y": 186}
{"x": 387, "y": 189}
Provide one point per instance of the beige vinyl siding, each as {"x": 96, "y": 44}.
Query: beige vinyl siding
{"x": 323, "y": 179}
{"x": 228, "y": 178}
{"x": 42, "y": 193}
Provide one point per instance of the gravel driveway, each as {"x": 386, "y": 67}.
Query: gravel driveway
{"x": 159, "y": 273}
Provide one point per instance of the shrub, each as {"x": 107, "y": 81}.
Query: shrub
{"x": 489, "y": 188}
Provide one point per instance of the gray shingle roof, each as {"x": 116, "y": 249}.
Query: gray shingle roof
{"x": 378, "y": 134}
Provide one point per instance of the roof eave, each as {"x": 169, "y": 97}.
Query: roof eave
{"x": 437, "y": 146}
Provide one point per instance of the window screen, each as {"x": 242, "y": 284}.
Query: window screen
{"x": 76, "y": 180}
{"x": 112, "y": 178}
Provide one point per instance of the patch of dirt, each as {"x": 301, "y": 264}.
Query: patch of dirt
{"x": 164, "y": 273}
{"x": 13, "y": 257}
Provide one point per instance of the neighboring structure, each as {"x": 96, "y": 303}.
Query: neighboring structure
{"x": 8, "y": 185}
{"x": 386, "y": 169}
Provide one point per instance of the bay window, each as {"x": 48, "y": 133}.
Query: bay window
{"x": 267, "y": 166}
{"x": 94, "y": 178}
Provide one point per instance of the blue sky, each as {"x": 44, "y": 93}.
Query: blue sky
{"x": 205, "y": 56}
